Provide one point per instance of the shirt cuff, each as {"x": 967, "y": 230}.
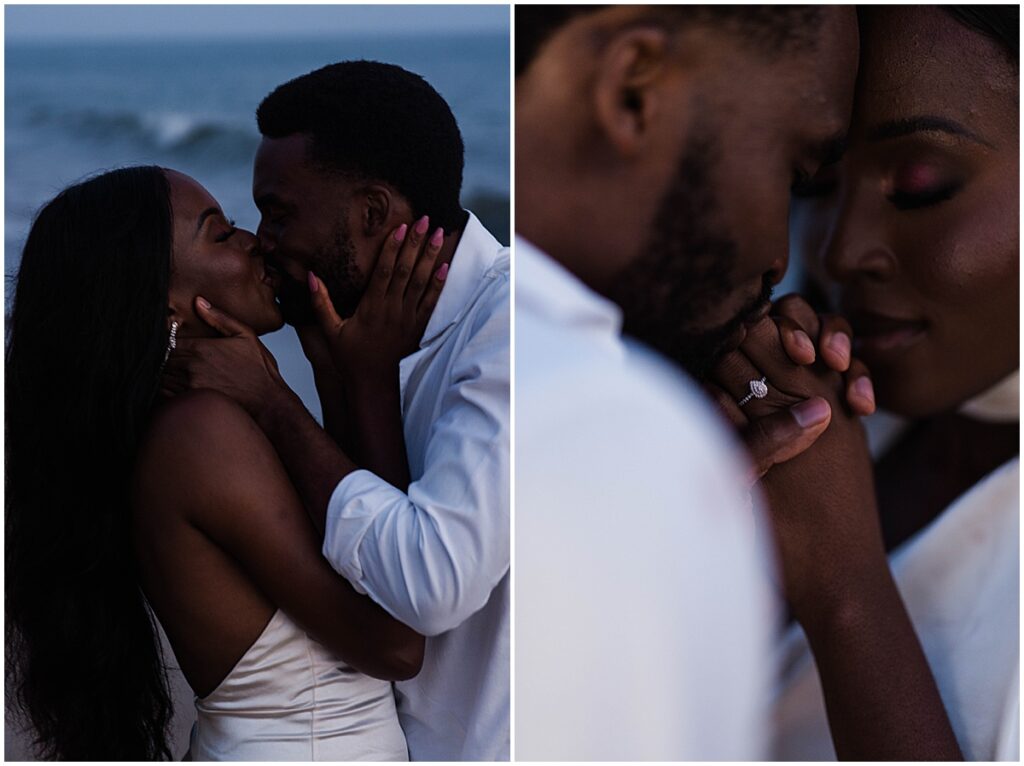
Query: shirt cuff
{"x": 353, "y": 506}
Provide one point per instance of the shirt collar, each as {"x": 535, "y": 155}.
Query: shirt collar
{"x": 477, "y": 252}
{"x": 548, "y": 289}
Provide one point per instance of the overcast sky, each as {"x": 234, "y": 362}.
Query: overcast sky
{"x": 104, "y": 22}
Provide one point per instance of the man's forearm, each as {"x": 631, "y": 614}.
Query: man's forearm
{"x": 337, "y": 418}
{"x": 376, "y": 418}
{"x": 315, "y": 463}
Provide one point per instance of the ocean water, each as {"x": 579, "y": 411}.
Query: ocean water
{"x": 73, "y": 109}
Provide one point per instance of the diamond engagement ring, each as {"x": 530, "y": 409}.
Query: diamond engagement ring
{"x": 758, "y": 390}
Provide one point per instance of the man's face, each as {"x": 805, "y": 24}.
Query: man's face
{"x": 718, "y": 241}
{"x": 305, "y": 226}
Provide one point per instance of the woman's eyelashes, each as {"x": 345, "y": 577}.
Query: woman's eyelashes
{"x": 910, "y": 190}
{"x": 913, "y": 200}
{"x": 225, "y": 235}
{"x": 921, "y": 183}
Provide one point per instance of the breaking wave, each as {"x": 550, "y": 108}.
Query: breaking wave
{"x": 161, "y": 133}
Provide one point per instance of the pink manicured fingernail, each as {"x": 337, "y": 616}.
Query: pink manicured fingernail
{"x": 840, "y": 344}
{"x": 442, "y": 272}
{"x": 400, "y": 232}
{"x": 864, "y": 389}
{"x": 314, "y": 286}
{"x": 438, "y": 238}
{"x": 811, "y": 413}
{"x": 422, "y": 225}
{"x": 203, "y": 302}
{"x": 803, "y": 340}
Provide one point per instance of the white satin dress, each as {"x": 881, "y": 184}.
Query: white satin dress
{"x": 290, "y": 699}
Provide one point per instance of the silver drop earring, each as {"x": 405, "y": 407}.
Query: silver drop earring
{"x": 172, "y": 343}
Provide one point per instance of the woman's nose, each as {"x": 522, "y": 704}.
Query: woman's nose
{"x": 249, "y": 241}
{"x": 857, "y": 246}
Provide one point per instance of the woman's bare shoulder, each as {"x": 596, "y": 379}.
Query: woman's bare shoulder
{"x": 198, "y": 415}
{"x": 200, "y": 448}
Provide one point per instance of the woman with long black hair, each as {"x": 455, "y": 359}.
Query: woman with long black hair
{"x": 118, "y": 499}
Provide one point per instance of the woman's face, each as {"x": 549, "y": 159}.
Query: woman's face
{"x": 214, "y": 259}
{"x": 918, "y": 225}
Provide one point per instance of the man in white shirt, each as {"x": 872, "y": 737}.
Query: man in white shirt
{"x": 350, "y": 152}
{"x": 655, "y": 147}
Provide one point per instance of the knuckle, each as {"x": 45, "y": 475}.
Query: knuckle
{"x": 759, "y": 437}
{"x": 835, "y": 323}
{"x": 789, "y": 301}
{"x": 787, "y": 323}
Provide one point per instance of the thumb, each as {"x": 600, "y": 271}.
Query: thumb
{"x": 783, "y": 435}
{"x": 220, "y": 321}
{"x": 328, "y": 318}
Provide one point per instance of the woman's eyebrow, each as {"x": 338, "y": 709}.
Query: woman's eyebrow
{"x": 923, "y": 124}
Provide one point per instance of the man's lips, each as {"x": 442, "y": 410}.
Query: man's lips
{"x": 747, "y": 319}
{"x": 759, "y": 312}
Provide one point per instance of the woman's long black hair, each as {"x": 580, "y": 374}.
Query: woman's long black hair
{"x": 86, "y": 341}
{"x": 1001, "y": 23}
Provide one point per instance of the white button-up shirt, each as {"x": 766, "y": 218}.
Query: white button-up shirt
{"x": 437, "y": 558}
{"x": 644, "y": 613}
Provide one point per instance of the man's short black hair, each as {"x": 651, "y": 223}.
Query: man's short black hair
{"x": 377, "y": 122}
{"x": 770, "y": 29}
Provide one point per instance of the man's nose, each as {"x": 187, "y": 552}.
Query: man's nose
{"x": 265, "y": 240}
{"x": 777, "y": 270}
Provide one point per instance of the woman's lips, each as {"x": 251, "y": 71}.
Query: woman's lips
{"x": 878, "y": 333}
{"x": 271, "y": 276}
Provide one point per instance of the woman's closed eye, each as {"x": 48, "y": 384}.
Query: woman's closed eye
{"x": 904, "y": 200}
{"x": 229, "y": 232}
{"x": 920, "y": 185}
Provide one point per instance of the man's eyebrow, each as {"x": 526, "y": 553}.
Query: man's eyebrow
{"x": 832, "y": 149}
{"x": 923, "y": 124}
{"x": 204, "y": 215}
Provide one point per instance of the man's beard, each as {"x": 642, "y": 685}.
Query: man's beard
{"x": 682, "y": 275}
{"x": 335, "y": 264}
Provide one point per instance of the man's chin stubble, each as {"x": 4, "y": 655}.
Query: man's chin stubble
{"x": 710, "y": 346}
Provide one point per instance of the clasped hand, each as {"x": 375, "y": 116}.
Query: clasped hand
{"x": 809, "y": 450}
{"x": 806, "y": 362}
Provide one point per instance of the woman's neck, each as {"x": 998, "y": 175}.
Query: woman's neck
{"x": 936, "y": 461}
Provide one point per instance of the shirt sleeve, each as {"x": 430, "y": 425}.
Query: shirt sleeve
{"x": 431, "y": 557}
{"x": 646, "y": 625}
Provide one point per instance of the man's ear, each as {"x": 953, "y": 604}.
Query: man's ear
{"x": 626, "y": 94}
{"x": 378, "y": 203}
